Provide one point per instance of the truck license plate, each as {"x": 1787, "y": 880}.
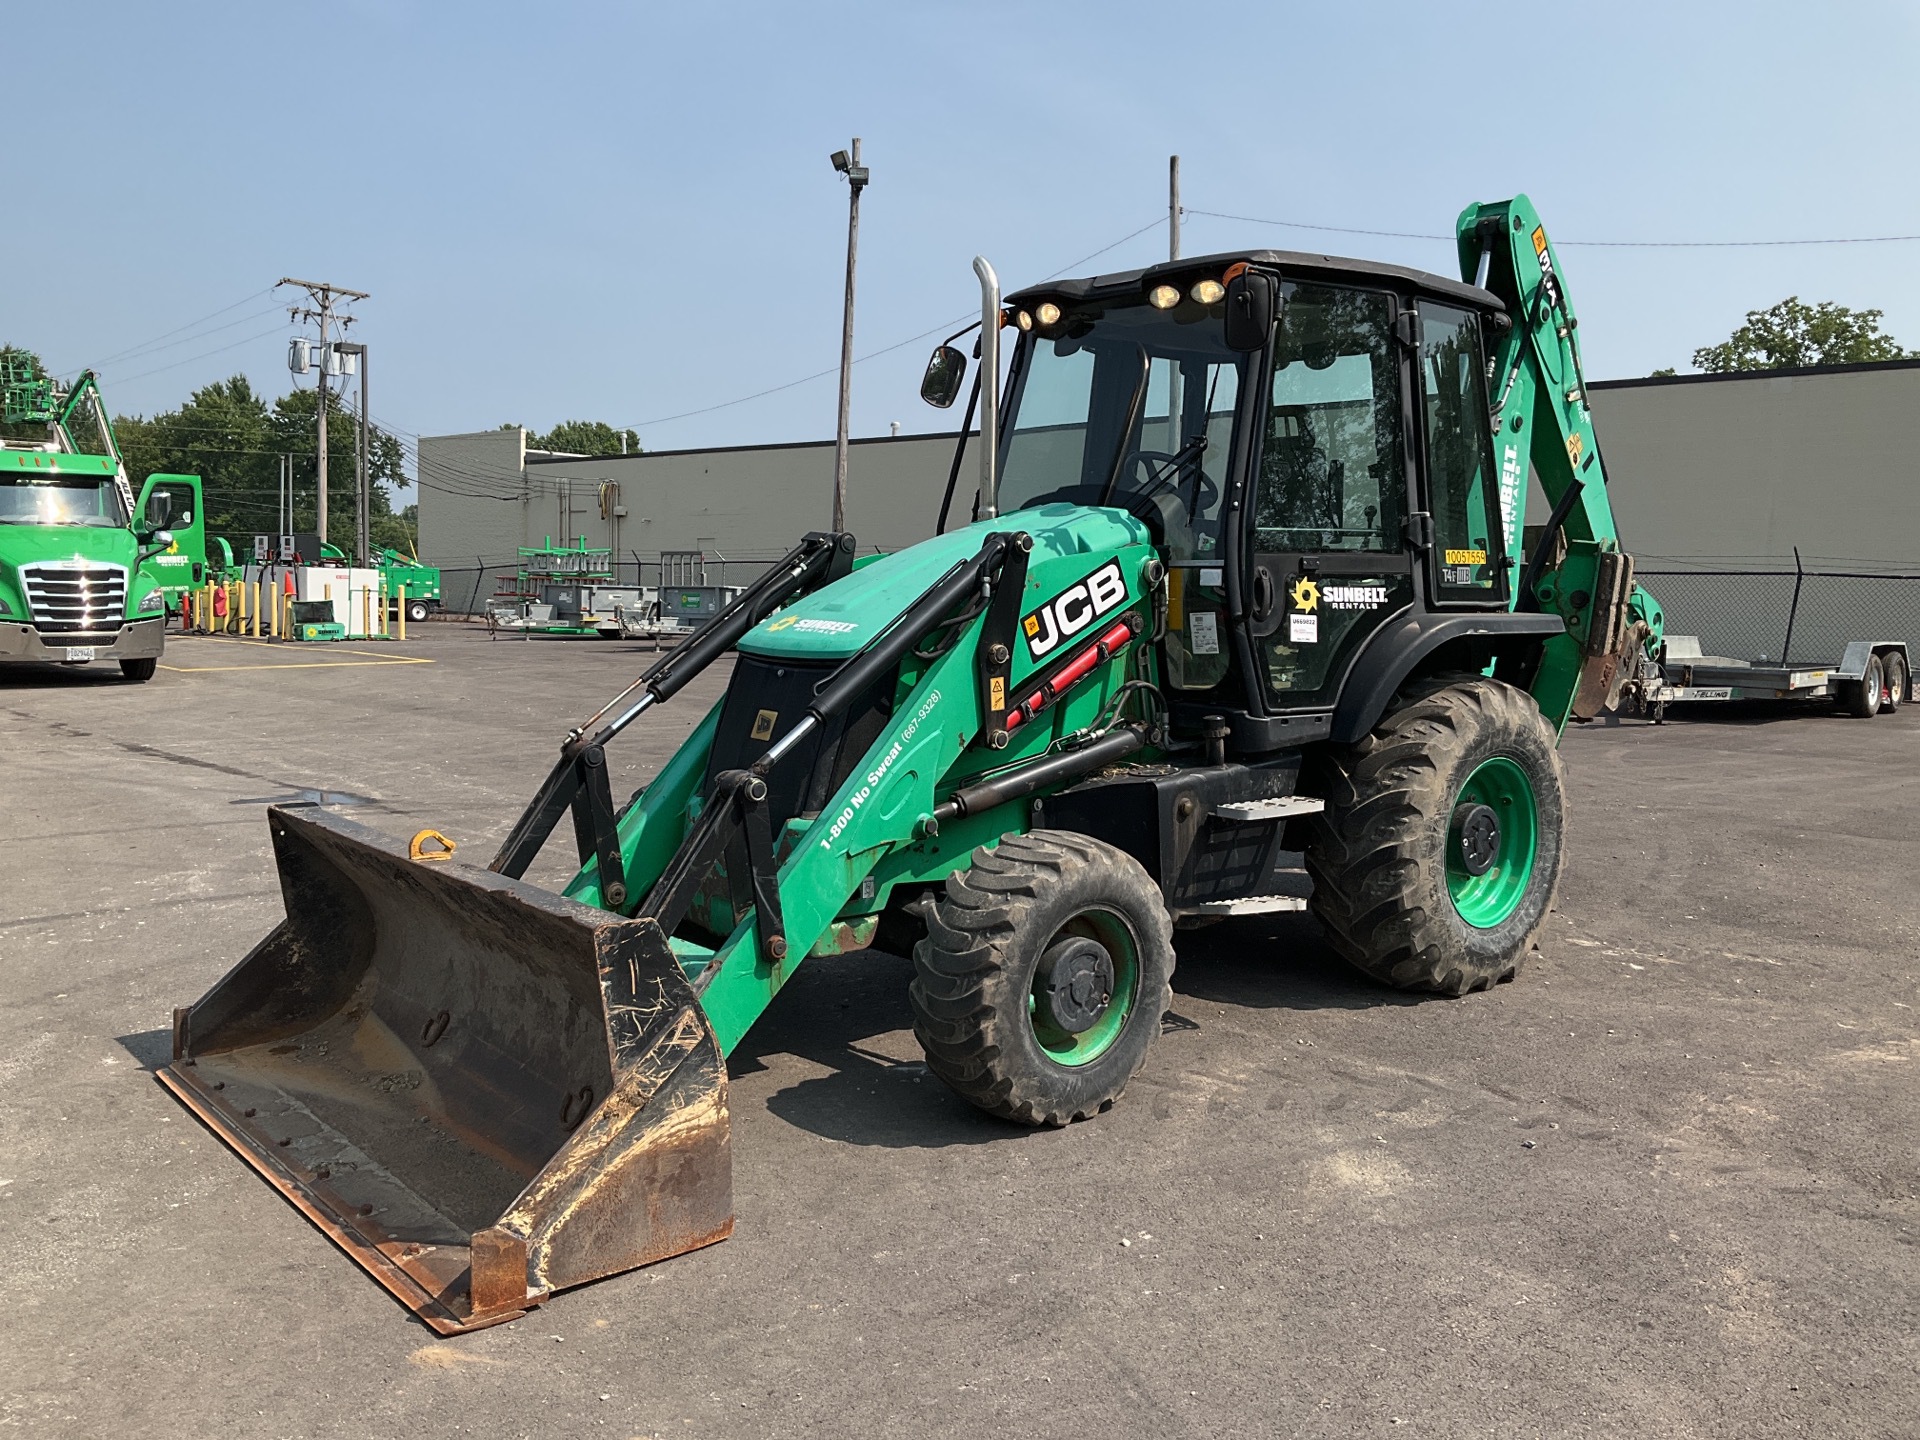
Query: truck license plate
{"x": 79, "y": 652}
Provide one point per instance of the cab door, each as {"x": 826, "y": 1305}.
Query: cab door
{"x": 1330, "y": 493}
{"x": 1468, "y": 562}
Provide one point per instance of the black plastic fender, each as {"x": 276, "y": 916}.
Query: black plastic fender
{"x": 1398, "y": 647}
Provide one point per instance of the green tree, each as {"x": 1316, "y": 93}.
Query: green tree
{"x": 233, "y": 440}
{"x": 1793, "y": 334}
{"x": 586, "y": 437}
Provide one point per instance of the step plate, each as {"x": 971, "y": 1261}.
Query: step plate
{"x": 1278, "y": 808}
{"x": 1247, "y": 905}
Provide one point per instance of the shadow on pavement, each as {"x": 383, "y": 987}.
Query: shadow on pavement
{"x": 152, "y": 1048}
{"x": 1277, "y": 962}
{"x": 827, "y": 1015}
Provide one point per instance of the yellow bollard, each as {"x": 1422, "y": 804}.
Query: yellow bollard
{"x": 403, "y": 612}
{"x": 258, "y": 596}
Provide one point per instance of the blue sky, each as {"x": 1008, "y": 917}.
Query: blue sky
{"x": 626, "y": 212}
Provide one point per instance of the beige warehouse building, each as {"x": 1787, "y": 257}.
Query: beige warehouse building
{"x": 1707, "y": 472}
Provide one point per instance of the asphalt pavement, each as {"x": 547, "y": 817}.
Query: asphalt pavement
{"x": 1663, "y": 1184}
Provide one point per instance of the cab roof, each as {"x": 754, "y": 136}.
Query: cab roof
{"x": 53, "y": 462}
{"x": 1292, "y": 264}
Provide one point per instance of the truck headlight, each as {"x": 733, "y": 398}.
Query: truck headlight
{"x": 151, "y": 603}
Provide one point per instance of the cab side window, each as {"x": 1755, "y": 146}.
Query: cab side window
{"x": 1466, "y": 497}
{"x": 1332, "y": 471}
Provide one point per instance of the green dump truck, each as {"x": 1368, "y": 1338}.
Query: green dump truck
{"x": 74, "y": 546}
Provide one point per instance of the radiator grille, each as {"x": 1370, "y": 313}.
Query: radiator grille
{"x": 75, "y": 596}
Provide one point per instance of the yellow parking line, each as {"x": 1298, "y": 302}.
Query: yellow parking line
{"x": 299, "y": 665}
{"x": 281, "y": 644}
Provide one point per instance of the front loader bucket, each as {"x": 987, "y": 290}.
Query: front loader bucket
{"x": 483, "y": 1092}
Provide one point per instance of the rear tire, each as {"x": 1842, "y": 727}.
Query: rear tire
{"x": 139, "y": 671}
{"x": 1013, "y": 962}
{"x": 1861, "y": 698}
{"x": 1437, "y": 857}
{"x": 1893, "y": 669}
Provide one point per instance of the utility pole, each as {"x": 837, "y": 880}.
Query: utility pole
{"x": 323, "y": 294}
{"x": 1173, "y": 207}
{"x": 856, "y": 173}
{"x": 362, "y": 490}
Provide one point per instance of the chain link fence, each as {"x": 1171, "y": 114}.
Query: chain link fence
{"x": 464, "y": 589}
{"x": 1792, "y": 615}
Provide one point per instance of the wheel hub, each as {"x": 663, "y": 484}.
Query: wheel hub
{"x": 1476, "y": 837}
{"x": 1074, "y": 985}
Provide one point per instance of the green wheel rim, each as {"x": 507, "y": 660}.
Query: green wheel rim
{"x": 1485, "y": 900}
{"x": 1113, "y": 932}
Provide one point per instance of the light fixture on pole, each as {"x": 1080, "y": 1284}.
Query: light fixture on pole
{"x": 848, "y": 164}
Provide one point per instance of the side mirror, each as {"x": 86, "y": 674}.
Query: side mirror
{"x": 1253, "y": 302}
{"x": 940, "y": 386}
{"x": 159, "y": 509}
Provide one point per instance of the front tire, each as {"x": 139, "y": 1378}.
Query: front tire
{"x": 139, "y": 671}
{"x": 1438, "y": 854}
{"x": 1043, "y": 977}
{"x": 417, "y": 610}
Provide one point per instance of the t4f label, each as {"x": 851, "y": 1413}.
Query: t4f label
{"x": 1074, "y": 609}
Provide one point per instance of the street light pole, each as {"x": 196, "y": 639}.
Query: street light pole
{"x": 362, "y": 465}
{"x": 848, "y": 165}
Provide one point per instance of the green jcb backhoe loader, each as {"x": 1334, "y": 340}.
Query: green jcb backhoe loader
{"x": 1242, "y": 578}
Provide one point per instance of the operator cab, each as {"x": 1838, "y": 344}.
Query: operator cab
{"x": 1316, "y": 483}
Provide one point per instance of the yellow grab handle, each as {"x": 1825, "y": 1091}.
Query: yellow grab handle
{"x": 415, "y": 852}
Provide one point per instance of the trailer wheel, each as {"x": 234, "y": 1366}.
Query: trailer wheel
{"x": 139, "y": 671}
{"x": 1440, "y": 848}
{"x": 1861, "y": 698}
{"x": 1043, "y": 977}
{"x": 1893, "y": 669}
{"x": 417, "y": 610}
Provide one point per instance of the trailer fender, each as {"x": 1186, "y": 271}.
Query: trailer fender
{"x": 1396, "y": 650}
{"x": 1853, "y": 662}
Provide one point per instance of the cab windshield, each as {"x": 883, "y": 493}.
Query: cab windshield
{"x": 1122, "y": 404}
{"x": 60, "y": 500}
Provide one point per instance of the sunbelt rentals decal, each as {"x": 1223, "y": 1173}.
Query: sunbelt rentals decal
{"x": 1074, "y": 609}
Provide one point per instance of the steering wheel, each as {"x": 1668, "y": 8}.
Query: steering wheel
{"x": 1205, "y": 492}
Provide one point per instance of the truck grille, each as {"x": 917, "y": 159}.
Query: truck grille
{"x": 73, "y": 595}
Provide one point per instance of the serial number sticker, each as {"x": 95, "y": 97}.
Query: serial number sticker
{"x": 79, "y": 652}
{"x": 1303, "y": 629}
{"x": 1203, "y": 633}
{"x": 1466, "y": 557}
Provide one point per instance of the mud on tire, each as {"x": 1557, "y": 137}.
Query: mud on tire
{"x": 974, "y": 990}
{"x": 1380, "y": 854}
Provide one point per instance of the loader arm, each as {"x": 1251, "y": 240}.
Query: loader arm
{"x": 1540, "y": 414}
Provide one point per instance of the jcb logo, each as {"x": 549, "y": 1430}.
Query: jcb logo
{"x": 1074, "y": 609}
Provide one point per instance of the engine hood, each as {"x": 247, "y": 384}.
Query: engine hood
{"x": 835, "y": 622}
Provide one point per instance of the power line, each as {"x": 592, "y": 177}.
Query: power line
{"x": 176, "y": 364}
{"x": 888, "y": 350}
{"x": 1565, "y": 244}
{"x": 191, "y": 324}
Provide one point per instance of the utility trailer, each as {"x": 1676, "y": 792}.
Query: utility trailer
{"x": 1871, "y": 676}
